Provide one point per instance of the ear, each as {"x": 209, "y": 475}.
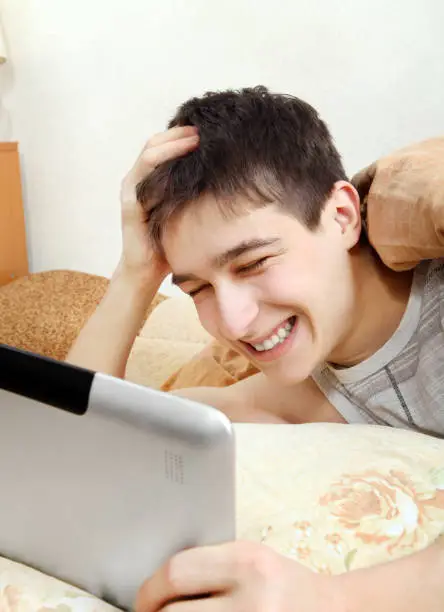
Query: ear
{"x": 344, "y": 205}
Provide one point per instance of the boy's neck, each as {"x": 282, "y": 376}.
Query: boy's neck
{"x": 381, "y": 298}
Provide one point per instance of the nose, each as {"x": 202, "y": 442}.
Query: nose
{"x": 237, "y": 308}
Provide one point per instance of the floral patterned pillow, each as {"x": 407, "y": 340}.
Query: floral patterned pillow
{"x": 339, "y": 497}
{"x": 23, "y": 589}
{"x": 333, "y": 497}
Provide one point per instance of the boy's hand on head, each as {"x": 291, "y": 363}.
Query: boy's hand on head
{"x": 138, "y": 256}
{"x": 235, "y": 577}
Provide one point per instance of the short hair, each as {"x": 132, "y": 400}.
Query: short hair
{"x": 265, "y": 146}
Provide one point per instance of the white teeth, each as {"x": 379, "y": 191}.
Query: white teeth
{"x": 277, "y": 338}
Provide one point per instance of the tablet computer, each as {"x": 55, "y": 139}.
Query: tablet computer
{"x": 104, "y": 480}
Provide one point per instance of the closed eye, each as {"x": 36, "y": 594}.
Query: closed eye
{"x": 253, "y": 266}
{"x": 194, "y": 292}
{"x": 256, "y": 265}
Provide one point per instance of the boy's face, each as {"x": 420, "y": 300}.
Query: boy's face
{"x": 264, "y": 284}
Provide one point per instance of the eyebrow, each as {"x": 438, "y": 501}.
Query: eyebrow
{"x": 224, "y": 258}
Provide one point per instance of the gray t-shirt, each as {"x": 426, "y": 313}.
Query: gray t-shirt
{"x": 402, "y": 384}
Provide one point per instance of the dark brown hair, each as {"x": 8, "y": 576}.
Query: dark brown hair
{"x": 267, "y": 147}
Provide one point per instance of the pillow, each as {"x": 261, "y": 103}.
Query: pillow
{"x": 215, "y": 366}
{"x": 175, "y": 319}
{"x": 339, "y": 497}
{"x": 23, "y": 589}
{"x": 402, "y": 199}
{"x": 44, "y": 312}
{"x": 170, "y": 338}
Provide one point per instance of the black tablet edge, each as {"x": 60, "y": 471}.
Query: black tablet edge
{"x": 46, "y": 380}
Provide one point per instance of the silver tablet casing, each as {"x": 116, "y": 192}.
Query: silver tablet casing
{"x": 103, "y": 499}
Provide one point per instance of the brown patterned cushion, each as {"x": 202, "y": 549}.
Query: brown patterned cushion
{"x": 44, "y": 312}
{"x": 402, "y": 197}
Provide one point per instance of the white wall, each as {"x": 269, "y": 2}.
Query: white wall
{"x": 89, "y": 80}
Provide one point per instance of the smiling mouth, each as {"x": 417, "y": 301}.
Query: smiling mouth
{"x": 278, "y": 337}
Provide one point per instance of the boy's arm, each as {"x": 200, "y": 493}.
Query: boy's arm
{"x": 105, "y": 342}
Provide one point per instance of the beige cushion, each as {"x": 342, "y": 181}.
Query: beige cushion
{"x": 175, "y": 319}
{"x": 23, "y": 589}
{"x": 171, "y": 336}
